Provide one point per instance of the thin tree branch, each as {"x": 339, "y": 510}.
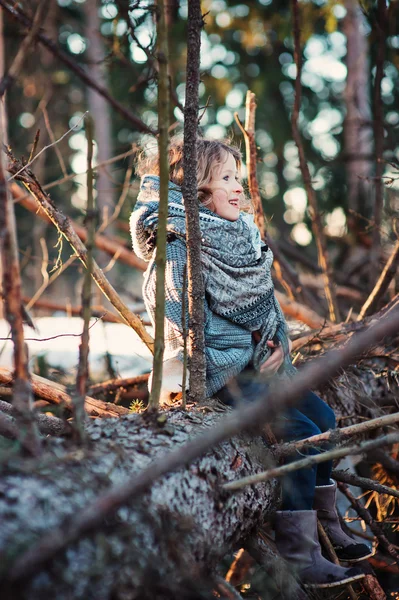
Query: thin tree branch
{"x": 20, "y": 16}
{"x": 163, "y": 158}
{"x": 382, "y": 284}
{"x": 15, "y": 175}
{"x": 317, "y": 226}
{"x": 381, "y": 33}
{"x": 367, "y": 518}
{"x": 315, "y": 459}
{"x": 335, "y": 436}
{"x": 24, "y": 48}
{"x": 196, "y": 292}
{"x": 285, "y": 273}
{"x": 240, "y": 420}
{"x": 364, "y": 483}
{"x": 83, "y": 366}
{"x": 63, "y": 225}
{"x": 11, "y": 279}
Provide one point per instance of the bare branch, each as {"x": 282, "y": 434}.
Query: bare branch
{"x": 196, "y": 292}
{"x": 315, "y": 459}
{"x": 24, "y": 48}
{"x": 382, "y": 284}
{"x": 19, "y": 15}
{"x": 317, "y": 226}
{"x": 163, "y": 158}
{"x": 63, "y": 225}
{"x": 364, "y": 483}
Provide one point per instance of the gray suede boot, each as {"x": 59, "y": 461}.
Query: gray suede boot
{"x": 346, "y": 548}
{"x": 298, "y": 543}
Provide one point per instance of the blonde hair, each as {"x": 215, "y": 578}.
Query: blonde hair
{"x": 211, "y": 155}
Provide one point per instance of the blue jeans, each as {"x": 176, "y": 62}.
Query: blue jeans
{"x": 311, "y": 416}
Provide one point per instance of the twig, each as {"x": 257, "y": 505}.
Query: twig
{"x": 48, "y": 281}
{"x": 163, "y": 160}
{"x": 317, "y": 226}
{"x": 184, "y": 335}
{"x": 125, "y": 189}
{"x": 335, "y": 436}
{"x": 380, "y": 29}
{"x": 19, "y": 16}
{"x": 90, "y": 221}
{"x": 315, "y": 459}
{"x": 53, "y": 141}
{"x": 15, "y": 175}
{"x": 63, "y": 225}
{"x": 332, "y": 555}
{"x": 387, "y": 461}
{"x": 28, "y": 433}
{"x": 382, "y": 284}
{"x": 97, "y": 166}
{"x": 196, "y": 292}
{"x": 364, "y": 483}
{"x": 346, "y": 328}
{"x": 367, "y": 518}
{"x": 241, "y": 420}
{"x": 24, "y": 48}
{"x": 285, "y": 273}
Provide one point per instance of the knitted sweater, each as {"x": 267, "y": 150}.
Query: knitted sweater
{"x": 228, "y": 341}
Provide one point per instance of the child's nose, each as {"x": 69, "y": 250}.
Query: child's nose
{"x": 239, "y": 189}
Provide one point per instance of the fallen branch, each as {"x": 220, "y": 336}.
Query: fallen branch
{"x": 315, "y": 459}
{"x": 47, "y": 425}
{"x": 64, "y": 226}
{"x": 56, "y": 393}
{"x": 335, "y": 436}
{"x": 240, "y": 420}
{"x": 18, "y": 15}
{"x": 367, "y": 518}
{"x": 115, "y": 384}
{"x": 363, "y": 482}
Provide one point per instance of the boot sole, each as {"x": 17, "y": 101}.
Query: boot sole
{"x": 334, "y": 583}
{"x": 356, "y": 560}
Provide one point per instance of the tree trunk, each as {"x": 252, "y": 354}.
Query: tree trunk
{"x": 100, "y": 112}
{"x": 358, "y": 133}
{"x": 163, "y": 545}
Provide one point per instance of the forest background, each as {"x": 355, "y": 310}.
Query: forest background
{"x": 348, "y": 122}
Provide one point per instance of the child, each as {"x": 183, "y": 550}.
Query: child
{"x": 245, "y": 335}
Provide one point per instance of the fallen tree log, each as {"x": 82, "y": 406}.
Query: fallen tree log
{"x": 169, "y": 540}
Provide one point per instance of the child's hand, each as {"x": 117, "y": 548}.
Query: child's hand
{"x": 274, "y": 362}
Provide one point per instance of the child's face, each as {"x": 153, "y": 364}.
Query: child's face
{"x": 226, "y": 190}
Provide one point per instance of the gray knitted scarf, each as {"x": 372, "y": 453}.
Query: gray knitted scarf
{"x": 236, "y": 264}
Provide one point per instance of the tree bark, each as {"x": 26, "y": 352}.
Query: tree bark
{"x": 357, "y": 130}
{"x": 159, "y": 547}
